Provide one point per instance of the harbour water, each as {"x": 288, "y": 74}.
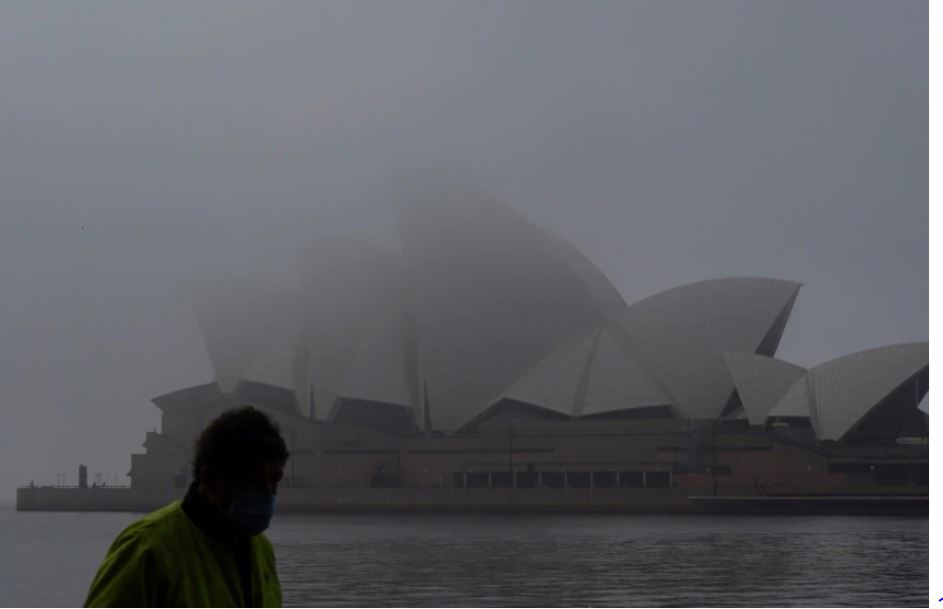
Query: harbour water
{"x": 48, "y": 559}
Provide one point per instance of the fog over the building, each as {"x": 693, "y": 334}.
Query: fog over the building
{"x": 152, "y": 156}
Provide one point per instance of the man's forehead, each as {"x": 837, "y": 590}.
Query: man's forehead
{"x": 267, "y": 468}
{"x": 264, "y": 471}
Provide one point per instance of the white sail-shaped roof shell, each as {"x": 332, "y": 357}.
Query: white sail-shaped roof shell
{"x": 761, "y": 382}
{"x": 343, "y": 308}
{"x": 591, "y": 375}
{"x": 846, "y": 389}
{"x": 682, "y": 333}
{"x": 795, "y": 402}
{"x": 483, "y": 304}
{"x": 384, "y": 368}
{"x": 239, "y": 321}
{"x": 838, "y": 394}
{"x": 605, "y": 296}
{"x": 338, "y": 333}
{"x": 492, "y": 294}
{"x": 617, "y": 380}
{"x": 273, "y": 363}
{"x": 552, "y": 382}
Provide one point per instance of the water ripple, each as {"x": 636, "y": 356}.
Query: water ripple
{"x": 603, "y": 560}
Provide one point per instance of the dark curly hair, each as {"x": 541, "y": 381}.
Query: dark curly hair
{"x": 236, "y": 441}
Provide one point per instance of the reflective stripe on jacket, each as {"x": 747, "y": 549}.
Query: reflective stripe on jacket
{"x": 164, "y": 559}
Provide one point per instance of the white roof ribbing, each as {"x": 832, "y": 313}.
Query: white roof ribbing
{"x": 846, "y": 389}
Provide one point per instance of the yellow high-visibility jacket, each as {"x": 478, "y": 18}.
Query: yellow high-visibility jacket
{"x": 164, "y": 560}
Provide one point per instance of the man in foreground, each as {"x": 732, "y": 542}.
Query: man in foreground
{"x": 206, "y": 550}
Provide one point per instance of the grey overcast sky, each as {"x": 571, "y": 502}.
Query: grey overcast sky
{"x": 144, "y": 145}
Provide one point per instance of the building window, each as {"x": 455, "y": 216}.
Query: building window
{"x": 502, "y": 480}
{"x": 477, "y": 480}
{"x": 657, "y": 479}
{"x": 526, "y": 479}
{"x": 604, "y": 479}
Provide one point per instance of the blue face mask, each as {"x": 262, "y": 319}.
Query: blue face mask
{"x": 251, "y": 512}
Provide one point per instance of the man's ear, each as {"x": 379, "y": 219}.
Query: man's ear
{"x": 211, "y": 485}
{"x": 210, "y": 479}
{"x": 206, "y": 476}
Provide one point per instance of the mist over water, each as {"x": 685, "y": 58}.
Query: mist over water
{"x": 48, "y": 559}
{"x": 148, "y": 147}
{"x": 189, "y": 188}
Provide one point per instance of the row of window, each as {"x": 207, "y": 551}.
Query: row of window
{"x": 601, "y": 479}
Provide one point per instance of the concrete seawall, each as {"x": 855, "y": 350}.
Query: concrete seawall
{"x": 377, "y": 500}
{"x": 576, "y": 500}
{"x": 102, "y": 499}
{"x": 896, "y": 505}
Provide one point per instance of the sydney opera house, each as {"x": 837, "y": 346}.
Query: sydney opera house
{"x": 489, "y": 364}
